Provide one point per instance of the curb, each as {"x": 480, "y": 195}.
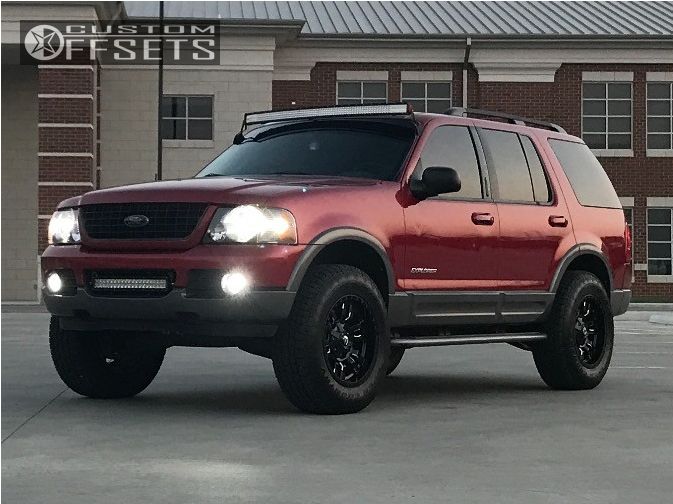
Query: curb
{"x": 662, "y": 318}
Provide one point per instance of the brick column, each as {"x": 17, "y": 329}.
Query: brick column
{"x": 67, "y": 137}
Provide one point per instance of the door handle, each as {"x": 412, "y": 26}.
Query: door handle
{"x": 558, "y": 221}
{"x": 483, "y": 219}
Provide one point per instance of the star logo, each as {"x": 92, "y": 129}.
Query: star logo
{"x": 44, "y": 42}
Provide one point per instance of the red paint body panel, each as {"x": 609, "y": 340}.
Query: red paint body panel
{"x": 520, "y": 251}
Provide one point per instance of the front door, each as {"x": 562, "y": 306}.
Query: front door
{"x": 451, "y": 266}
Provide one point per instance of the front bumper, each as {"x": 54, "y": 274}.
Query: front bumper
{"x": 184, "y": 320}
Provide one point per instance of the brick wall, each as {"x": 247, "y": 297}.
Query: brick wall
{"x": 67, "y": 136}
{"x": 558, "y": 101}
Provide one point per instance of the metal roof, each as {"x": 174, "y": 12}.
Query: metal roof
{"x": 436, "y": 19}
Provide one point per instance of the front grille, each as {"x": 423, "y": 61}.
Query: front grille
{"x": 106, "y": 221}
{"x": 129, "y": 282}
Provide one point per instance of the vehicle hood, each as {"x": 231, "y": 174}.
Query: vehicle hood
{"x": 219, "y": 190}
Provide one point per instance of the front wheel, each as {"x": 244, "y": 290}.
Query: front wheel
{"x": 580, "y": 335}
{"x": 103, "y": 366}
{"x": 331, "y": 355}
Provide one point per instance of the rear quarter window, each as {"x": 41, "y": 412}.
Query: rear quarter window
{"x": 587, "y": 177}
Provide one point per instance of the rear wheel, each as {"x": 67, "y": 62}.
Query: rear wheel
{"x": 103, "y": 366}
{"x": 331, "y": 355}
{"x": 580, "y": 335}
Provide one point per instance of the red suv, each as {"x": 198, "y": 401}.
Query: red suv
{"x": 332, "y": 239}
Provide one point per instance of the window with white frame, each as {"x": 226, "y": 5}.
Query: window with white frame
{"x": 187, "y": 117}
{"x": 606, "y": 115}
{"x": 660, "y": 115}
{"x": 659, "y": 242}
{"x": 361, "y": 92}
{"x": 427, "y": 96}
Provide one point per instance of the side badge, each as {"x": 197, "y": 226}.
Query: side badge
{"x": 423, "y": 271}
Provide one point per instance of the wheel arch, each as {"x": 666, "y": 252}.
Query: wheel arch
{"x": 350, "y": 246}
{"x": 584, "y": 257}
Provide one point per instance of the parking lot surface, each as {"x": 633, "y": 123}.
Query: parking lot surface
{"x": 452, "y": 424}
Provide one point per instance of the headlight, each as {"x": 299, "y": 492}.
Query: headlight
{"x": 252, "y": 224}
{"x": 64, "y": 227}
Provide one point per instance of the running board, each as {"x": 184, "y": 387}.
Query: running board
{"x": 469, "y": 340}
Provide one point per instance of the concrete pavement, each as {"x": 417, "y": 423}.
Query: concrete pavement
{"x": 453, "y": 424}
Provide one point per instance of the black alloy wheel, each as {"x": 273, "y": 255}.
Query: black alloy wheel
{"x": 350, "y": 344}
{"x": 590, "y": 332}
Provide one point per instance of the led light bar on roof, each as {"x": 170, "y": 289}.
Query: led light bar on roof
{"x": 341, "y": 110}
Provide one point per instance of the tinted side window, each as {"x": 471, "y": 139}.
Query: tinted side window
{"x": 452, "y": 146}
{"x": 507, "y": 167}
{"x": 586, "y": 175}
{"x": 541, "y": 190}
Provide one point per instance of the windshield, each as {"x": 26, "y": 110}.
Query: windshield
{"x": 363, "y": 149}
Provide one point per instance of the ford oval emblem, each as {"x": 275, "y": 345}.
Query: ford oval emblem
{"x": 136, "y": 221}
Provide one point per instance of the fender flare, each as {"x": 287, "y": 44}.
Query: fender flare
{"x": 575, "y": 252}
{"x": 334, "y": 235}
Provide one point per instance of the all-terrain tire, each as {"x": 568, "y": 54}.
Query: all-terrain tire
{"x": 396, "y": 354}
{"x": 560, "y": 359}
{"x": 300, "y": 359}
{"x": 103, "y": 369}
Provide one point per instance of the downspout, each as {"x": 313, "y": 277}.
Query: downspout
{"x": 466, "y": 63}
{"x": 160, "y": 96}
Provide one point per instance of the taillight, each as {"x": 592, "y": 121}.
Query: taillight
{"x": 627, "y": 242}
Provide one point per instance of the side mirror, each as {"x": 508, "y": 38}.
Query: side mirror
{"x": 434, "y": 181}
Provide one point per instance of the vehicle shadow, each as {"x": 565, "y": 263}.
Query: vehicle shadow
{"x": 267, "y": 399}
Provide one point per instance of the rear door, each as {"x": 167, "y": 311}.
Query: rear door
{"x": 534, "y": 221}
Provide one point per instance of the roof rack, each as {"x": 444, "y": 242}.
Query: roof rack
{"x": 511, "y": 118}
{"x": 333, "y": 111}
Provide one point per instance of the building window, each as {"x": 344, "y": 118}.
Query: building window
{"x": 659, "y": 232}
{"x": 427, "y": 96}
{"x": 659, "y": 115}
{"x": 361, "y": 93}
{"x": 606, "y": 115}
{"x": 187, "y": 118}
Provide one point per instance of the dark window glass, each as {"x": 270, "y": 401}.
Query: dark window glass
{"x": 172, "y": 129}
{"x": 200, "y": 129}
{"x": 349, "y": 90}
{"x": 173, "y": 106}
{"x": 659, "y": 141}
{"x": 586, "y": 175}
{"x": 438, "y": 106}
{"x": 659, "y": 233}
{"x": 451, "y": 146}
{"x": 200, "y": 106}
{"x": 439, "y": 89}
{"x": 659, "y": 216}
{"x": 540, "y": 183}
{"x": 334, "y": 148}
{"x": 179, "y": 118}
{"x": 374, "y": 90}
{"x": 658, "y": 90}
{"x": 413, "y": 89}
{"x": 507, "y": 167}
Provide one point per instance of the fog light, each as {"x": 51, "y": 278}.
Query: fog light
{"x": 54, "y": 283}
{"x": 234, "y": 283}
